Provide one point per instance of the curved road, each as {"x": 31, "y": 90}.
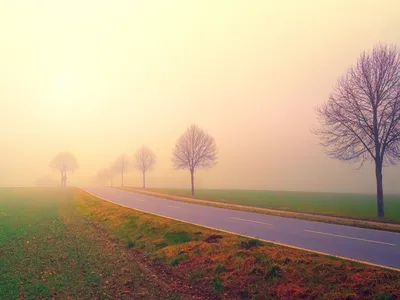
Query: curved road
{"x": 367, "y": 245}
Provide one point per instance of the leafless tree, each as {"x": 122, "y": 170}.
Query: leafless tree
{"x": 121, "y": 166}
{"x": 64, "y": 162}
{"x": 144, "y": 160}
{"x": 194, "y": 149}
{"x": 361, "y": 120}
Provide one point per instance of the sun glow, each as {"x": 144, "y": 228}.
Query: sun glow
{"x": 65, "y": 97}
{"x": 64, "y": 83}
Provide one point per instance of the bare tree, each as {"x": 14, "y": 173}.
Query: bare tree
{"x": 121, "y": 165}
{"x": 194, "y": 149}
{"x": 144, "y": 160}
{"x": 64, "y": 162}
{"x": 361, "y": 120}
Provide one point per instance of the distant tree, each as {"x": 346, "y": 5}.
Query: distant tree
{"x": 144, "y": 160}
{"x": 64, "y": 162}
{"x": 361, "y": 120}
{"x": 194, "y": 149}
{"x": 121, "y": 166}
{"x": 105, "y": 175}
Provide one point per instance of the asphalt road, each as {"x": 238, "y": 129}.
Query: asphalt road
{"x": 372, "y": 246}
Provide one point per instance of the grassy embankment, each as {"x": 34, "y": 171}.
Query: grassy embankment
{"x": 355, "y": 209}
{"x": 66, "y": 243}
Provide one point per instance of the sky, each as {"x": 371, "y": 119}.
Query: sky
{"x": 102, "y": 78}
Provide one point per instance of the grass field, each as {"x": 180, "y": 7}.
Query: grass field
{"x": 64, "y": 243}
{"x": 359, "y": 206}
{"x": 48, "y": 251}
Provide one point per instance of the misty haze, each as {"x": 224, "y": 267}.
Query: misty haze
{"x": 99, "y": 85}
{"x": 200, "y": 149}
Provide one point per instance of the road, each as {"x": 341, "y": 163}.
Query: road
{"x": 366, "y": 245}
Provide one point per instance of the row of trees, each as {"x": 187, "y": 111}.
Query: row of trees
{"x": 143, "y": 161}
{"x": 193, "y": 150}
{"x": 360, "y": 122}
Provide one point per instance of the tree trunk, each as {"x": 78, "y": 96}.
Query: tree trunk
{"x": 144, "y": 180}
{"x": 192, "y": 180}
{"x": 122, "y": 178}
{"x": 62, "y": 178}
{"x": 379, "y": 189}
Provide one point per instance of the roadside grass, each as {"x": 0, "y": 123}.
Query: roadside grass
{"x": 234, "y": 267}
{"x": 172, "y": 238}
{"x": 47, "y": 251}
{"x": 220, "y": 268}
{"x": 67, "y": 244}
{"x": 353, "y": 206}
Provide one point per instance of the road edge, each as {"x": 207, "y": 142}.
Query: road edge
{"x": 247, "y": 236}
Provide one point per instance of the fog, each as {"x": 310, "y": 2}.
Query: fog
{"x": 102, "y": 78}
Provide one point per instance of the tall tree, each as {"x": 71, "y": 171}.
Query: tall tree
{"x": 144, "y": 161}
{"x": 194, "y": 149}
{"x": 121, "y": 166}
{"x": 64, "y": 162}
{"x": 361, "y": 120}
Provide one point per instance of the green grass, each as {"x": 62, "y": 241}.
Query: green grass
{"x": 172, "y": 238}
{"x": 67, "y": 244}
{"x": 360, "y": 206}
{"x": 48, "y": 251}
{"x": 237, "y": 267}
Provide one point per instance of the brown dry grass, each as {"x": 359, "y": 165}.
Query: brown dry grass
{"x": 233, "y": 267}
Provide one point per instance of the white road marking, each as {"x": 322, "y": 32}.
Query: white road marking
{"x": 173, "y": 206}
{"x": 351, "y": 238}
{"x": 251, "y": 221}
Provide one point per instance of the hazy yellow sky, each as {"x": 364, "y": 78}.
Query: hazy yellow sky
{"x": 101, "y": 78}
